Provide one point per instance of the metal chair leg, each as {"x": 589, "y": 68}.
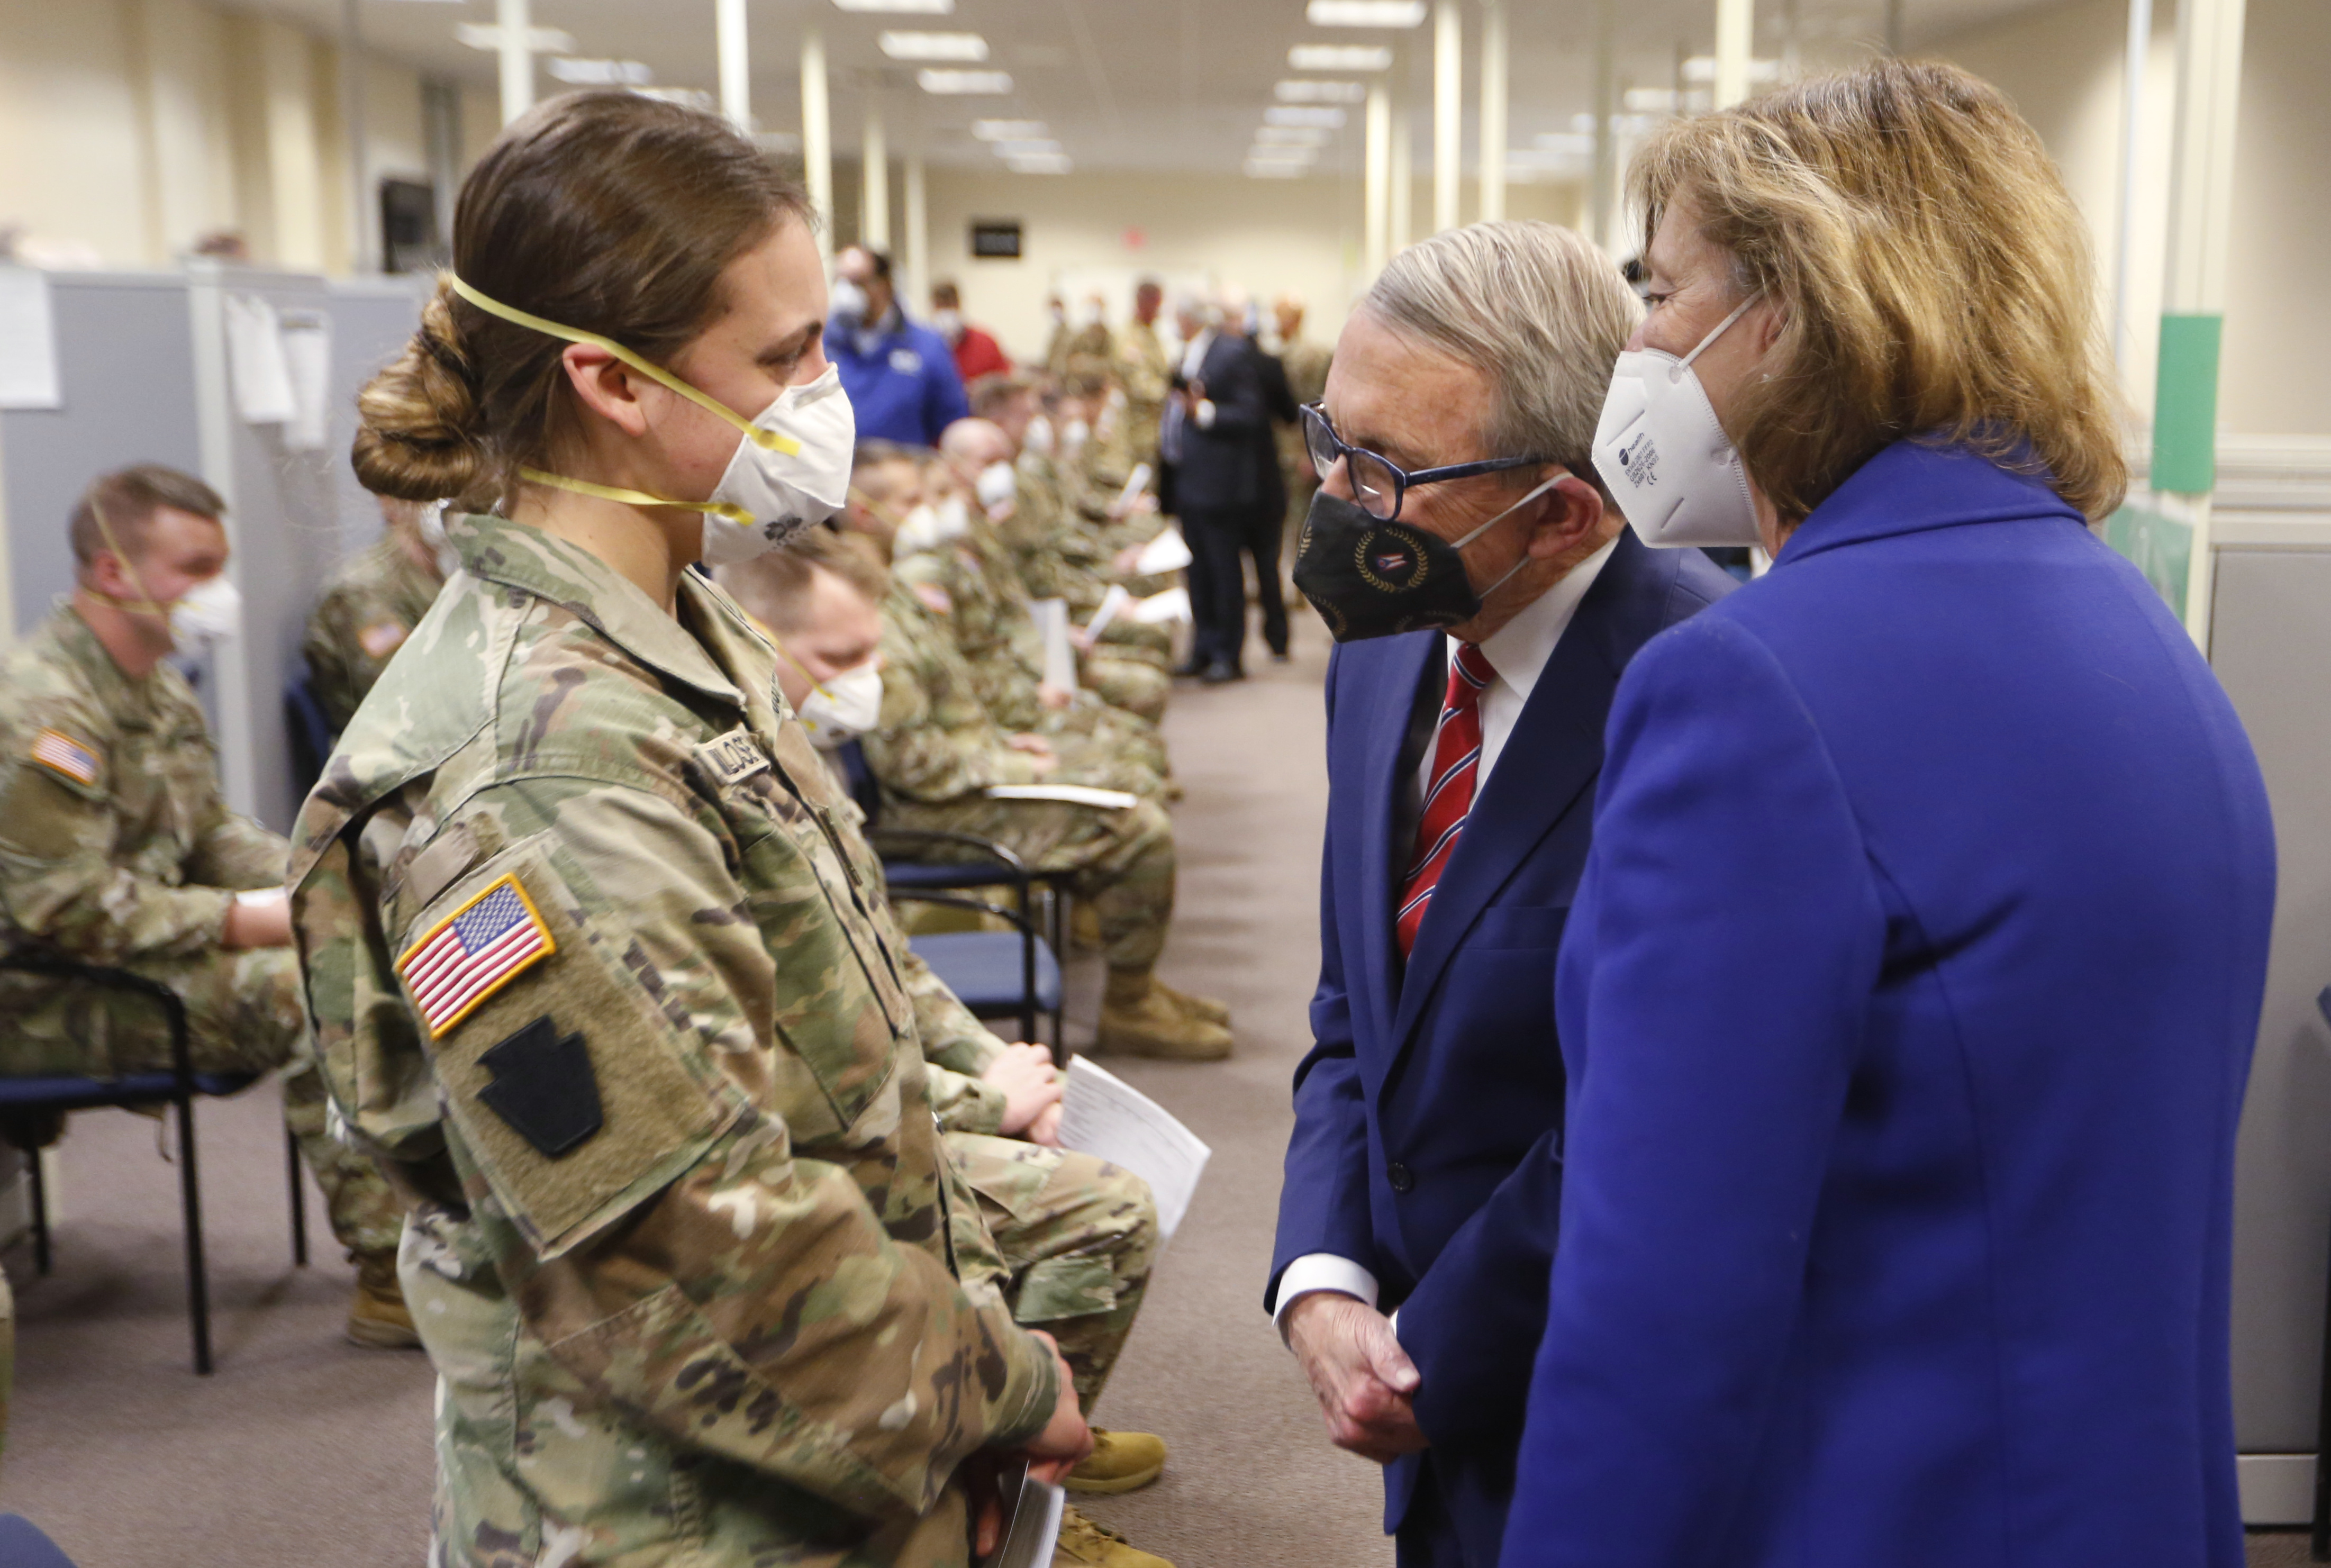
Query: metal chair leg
{"x": 198, "y": 1284}
{"x": 40, "y": 1196}
{"x": 299, "y": 1201}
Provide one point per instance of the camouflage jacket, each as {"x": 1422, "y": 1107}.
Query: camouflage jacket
{"x": 1306, "y": 380}
{"x": 1146, "y": 372}
{"x": 936, "y": 741}
{"x": 115, "y": 843}
{"x": 368, "y": 608}
{"x": 590, "y": 963}
{"x": 987, "y": 619}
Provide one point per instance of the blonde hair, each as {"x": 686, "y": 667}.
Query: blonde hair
{"x": 1541, "y": 309}
{"x": 1932, "y": 275}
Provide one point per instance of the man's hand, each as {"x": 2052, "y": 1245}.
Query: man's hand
{"x": 1030, "y": 1082}
{"x": 1054, "y": 698}
{"x": 1065, "y": 1440}
{"x": 1364, "y": 1379}
{"x": 258, "y": 923}
{"x": 1033, "y": 745}
{"x": 1129, "y": 559}
{"x": 1046, "y": 1128}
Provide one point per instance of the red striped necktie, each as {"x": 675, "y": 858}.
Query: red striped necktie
{"x": 1456, "y": 764}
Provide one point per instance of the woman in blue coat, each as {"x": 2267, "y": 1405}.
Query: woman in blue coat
{"x": 1909, "y": 992}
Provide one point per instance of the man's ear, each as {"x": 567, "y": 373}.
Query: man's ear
{"x": 606, "y": 387}
{"x": 1571, "y": 513}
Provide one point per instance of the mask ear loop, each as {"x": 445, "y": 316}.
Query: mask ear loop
{"x": 146, "y": 603}
{"x": 1721, "y": 328}
{"x": 1501, "y": 517}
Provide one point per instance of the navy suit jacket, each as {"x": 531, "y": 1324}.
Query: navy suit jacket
{"x": 1221, "y": 467}
{"x": 1907, "y": 1002}
{"x": 1417, "y": 1106}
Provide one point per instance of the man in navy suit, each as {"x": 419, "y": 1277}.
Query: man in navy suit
{"x": 1488, "y": 596}
{"x": 1217, "y": 438}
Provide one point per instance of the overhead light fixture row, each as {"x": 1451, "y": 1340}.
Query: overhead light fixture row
{"x": 601, "y": 73}
{"x": 1365, "y": 12}
{"x": 1307, "y": 90}
{"x": 1007, "y": 130}
{"x": 1041, "y": 147}
{"x": 968, "y": 46}
{"x": 965, "y": 84}
{"x": 1274, "y": 171}
{"x": 1303, "y": 114}
{"x": 539, "y": 40}
{"x": 1292, "y": 135}
{"x": 1340, "y": 57}
{"x": 1039, "y": 164}
{"x": 900, "y": 7}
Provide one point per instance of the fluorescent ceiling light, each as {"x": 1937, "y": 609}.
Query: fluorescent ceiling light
{"x": 1291, "y": 135}
{"x": 900, "y": 7}
{"x": 932, "y": 45}
{"x": 688, "y": 97}
{"x": 1568, "y": 143}
{"x": 539, "y": 40}
{"x": 1041, "y": 147}
{"x": 1007, "y": 130}
{"x": 1262, "y": 171}
{"x": 1299, "y": 114}
{"x": 1039, "y": 164}
{"x": 1300, "y": 92}
{"x": 1365, "y": 12}
{"x": 1340, "y": 57}
{"x": 1702, "y": 68}
{"x": 962, "y": 84}
{"x": 602, "y": 72}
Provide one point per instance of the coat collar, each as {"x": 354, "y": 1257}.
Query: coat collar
{"x": 519, "y": 555}
{"x": 1913, "y": 486}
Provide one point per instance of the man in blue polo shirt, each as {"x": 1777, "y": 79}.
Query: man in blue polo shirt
{"x": 901, "y": 377}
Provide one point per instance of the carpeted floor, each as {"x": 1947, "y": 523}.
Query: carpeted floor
{"x": 303, "y": 1451}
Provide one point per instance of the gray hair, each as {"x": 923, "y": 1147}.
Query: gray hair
{"x": 1541, "y": 308}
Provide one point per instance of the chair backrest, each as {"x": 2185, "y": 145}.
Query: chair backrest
{"x": 863, "y": 789}
{"x": 24, "y": 1545}
{"x": 310, "y": 731}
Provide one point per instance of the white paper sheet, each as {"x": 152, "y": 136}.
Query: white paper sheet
{"x": 307, "y": 363}
{"x": 28, "y": 341}
{"x": 1159, "y": 608}
{"x": 1051, "y": 618}
{"x": 1134, "y": 483}
{"x": 1033, "y": 1531}
{"x": 1073, "y": 795}
{"x": 1168, "y": 552}
{"x": 257, "y": 372}
{"x": 1111, "y": 605}
{"x": 1103, "y": 1115}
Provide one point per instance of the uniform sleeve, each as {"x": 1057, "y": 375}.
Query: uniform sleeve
{"x": 957, "y": 1048}
{"x": 912, "y": 753}
{"x": 233, "y": 851}
{"x": 658, "y": 1228}
{"x": 1715, "y": 981}
{"x": 58, "y": 836}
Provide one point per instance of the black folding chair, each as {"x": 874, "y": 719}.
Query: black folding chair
{"x": 56, "y": 1093}
{"x": 995, "y": 974}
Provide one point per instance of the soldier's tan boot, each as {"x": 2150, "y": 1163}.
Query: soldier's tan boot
{"x": 1138, "y": 1018}
{"x": 1205, "y": 1007}
{"x": 1089, "y": 1544}
{"x": 378, "y": 1318}
{"x": 1120, "y": 1462}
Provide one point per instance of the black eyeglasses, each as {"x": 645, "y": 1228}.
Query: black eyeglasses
{"x": 1378, "y": 485}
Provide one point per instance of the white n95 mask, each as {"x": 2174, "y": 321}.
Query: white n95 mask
{"x": 209, "y": 612}
{"x": 918, "y": 531}
{"x": 1039, "y": 436}
{"x": 952, "y": 521}
{"x": 1664, "y": 456}
{"x": 838, "y": 711}
{"x": 790, "y": 468}
{"x": 998, "y": 487}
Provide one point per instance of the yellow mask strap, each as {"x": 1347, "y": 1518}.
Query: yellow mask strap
{"x": 145, "y": 603}
{"x": 872, "y": 505}
{"x": 735, "y": 514}
{"x": 767, "y": 440}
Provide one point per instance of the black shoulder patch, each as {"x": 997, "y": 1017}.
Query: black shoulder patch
{"x": 543, "y": 1088}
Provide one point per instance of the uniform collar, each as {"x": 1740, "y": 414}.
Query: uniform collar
{"x": 115, "y": 691}
{"x": 1916, "y": 485}
{"x": 521, "y": 557}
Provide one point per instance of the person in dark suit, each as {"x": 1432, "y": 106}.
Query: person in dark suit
{"x": 1266, "y": 528}
{"x": 1907, "y": 998}
{"x": 1465, "y": 707}
{"x": 1217, "y": 421}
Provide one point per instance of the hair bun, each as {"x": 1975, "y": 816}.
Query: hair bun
{"x": 419, "y": 435}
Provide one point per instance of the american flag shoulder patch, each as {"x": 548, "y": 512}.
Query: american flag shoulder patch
{"x": 61, "y": 752}
{"x": 473, "y": 952}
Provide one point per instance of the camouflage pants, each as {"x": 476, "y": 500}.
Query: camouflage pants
{"x": 1100, "y": 729}
{"x": 1122, "y": 861}
{"x": 244, "y": 1014}
{"x": 1077, "y": 1235}
{"x": 1133, "y": 686}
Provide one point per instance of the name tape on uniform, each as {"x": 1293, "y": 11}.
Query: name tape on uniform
{"x": 473, "y": 952}
{"x": 732, "y": 758}
{"x": 59, "y": 753}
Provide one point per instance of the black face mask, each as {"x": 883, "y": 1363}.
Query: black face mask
{"x": 1370, "y": 579}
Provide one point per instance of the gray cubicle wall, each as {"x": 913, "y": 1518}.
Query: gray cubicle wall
{"x": 2271, "y": 643}
{"x": 126, "y": 369}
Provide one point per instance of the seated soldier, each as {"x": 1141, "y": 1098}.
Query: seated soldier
{"x": 993, "y": 629}
{"x": 372, "y": 604}
{"x": 116, "y": 849}
{"x": 935, "y": 751}
{"x": 1077, "y": 1234}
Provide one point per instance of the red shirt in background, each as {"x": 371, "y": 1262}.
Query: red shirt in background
{"x": 976, "y": 355}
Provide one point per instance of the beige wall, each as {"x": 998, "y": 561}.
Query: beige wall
{"x": 2063, "y": 65}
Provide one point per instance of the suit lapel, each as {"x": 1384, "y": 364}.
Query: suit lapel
{"x": 1398, "y": 672}
{"x": 1549, "y": 762}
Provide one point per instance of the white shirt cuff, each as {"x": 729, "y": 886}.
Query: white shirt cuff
{"x": 1316, "y": 1271}
{"x": 1206, "y": 416}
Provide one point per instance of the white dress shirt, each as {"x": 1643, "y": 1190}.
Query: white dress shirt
{"x": 1518, "y": 651}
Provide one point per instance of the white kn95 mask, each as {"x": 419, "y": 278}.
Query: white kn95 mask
{"x": 1664, "y": 456}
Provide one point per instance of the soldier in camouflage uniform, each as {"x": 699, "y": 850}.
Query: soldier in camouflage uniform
{"x": 371, "y": 607}
{"x": 1306, "y": 364}
{"x": 1144, "y": 370}
{"x": 116, "y": 849}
